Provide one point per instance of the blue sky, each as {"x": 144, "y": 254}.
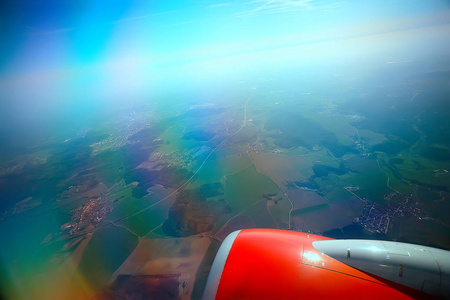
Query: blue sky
{"x": 64, "y": 51}
{"x": 54, "y": 34}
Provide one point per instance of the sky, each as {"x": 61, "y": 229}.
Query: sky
{"x": 83, "y": 55}
{"x": 53, "y": 34}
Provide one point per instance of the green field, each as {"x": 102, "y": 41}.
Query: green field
{"x": 106, "y": 251}
{"x": 215, "y": 169}
{"x": 244, "y": 188}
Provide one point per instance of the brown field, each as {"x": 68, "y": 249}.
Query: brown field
{"x": 302, "y": 199}
{"x": 281, "y": 168}
{"x": 165, "y": 257}
{"x": 236, "y": 223}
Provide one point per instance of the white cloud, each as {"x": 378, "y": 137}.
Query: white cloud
{"x": 282, "y": 6}
{"x": 219, "y": 4}
{"x": 277, "y": 6}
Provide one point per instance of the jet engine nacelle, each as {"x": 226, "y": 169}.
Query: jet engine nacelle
{"x": 279, "y": 264}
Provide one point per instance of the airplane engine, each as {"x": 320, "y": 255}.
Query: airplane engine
{"x": 279, "y": 264}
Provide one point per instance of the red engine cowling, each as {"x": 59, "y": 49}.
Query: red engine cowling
{"x": 279, "y": 264}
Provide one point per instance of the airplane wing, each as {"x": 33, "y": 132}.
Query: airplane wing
{"x": 279, "y": 264}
